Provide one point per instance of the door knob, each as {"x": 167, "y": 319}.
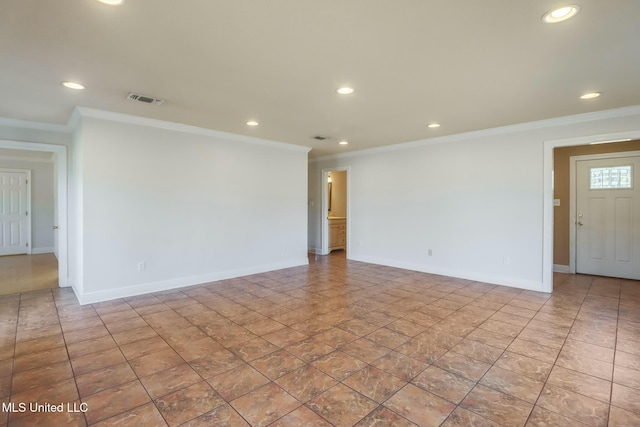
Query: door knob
{"x": 580, "y": 223}
{"x": 55, "y": 227}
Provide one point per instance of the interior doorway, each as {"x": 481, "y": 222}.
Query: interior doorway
{"x": 44, "y": 265}
{"x": 336, "y": 218}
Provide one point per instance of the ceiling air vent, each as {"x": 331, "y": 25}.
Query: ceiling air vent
{"x": 143, "y": 98}
{"x": 319, "y": 137}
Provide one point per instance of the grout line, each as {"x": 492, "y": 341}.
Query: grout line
{"x": 151, "y": 400}
{"x": 615, "y": 352}
{"x": 553, "y": 365}
{"x": 493, "y": 364}
{"x": 13, "y": 357}
{"x": 66, "y": 348}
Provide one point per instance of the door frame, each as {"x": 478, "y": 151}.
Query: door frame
{"x": 573, "y": 197}
{"x": 547, "y": 204}
{"x": 27, "y": 172}
{"x": 324, "y": 233}
{"x": 60, "y": 204}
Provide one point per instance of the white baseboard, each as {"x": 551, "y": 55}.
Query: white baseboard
{"x": 74, "y": 288}
{"x": 35, "y": 251}
{"x": 145, "y": 288}
{"x": 512, "y": 282}
{"x": 559, "y": 268}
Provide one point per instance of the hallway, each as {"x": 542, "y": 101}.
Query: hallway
{"x": 24, "y": 273}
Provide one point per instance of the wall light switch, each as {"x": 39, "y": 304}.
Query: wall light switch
{"x": 556, "y": 202}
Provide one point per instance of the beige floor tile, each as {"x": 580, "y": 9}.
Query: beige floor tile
{"x": 341, "y": 405}
{"x": 444, "y": 384}
{"x": 501, "y": 408}
{"x": 575, "y": 406}
{"x": 419, "y": 406}
{"x": 188, "y": 403}
{"x": 265, "y": 405}
{"x": 237, "y": 382}
{"x": 305, "y": 383}
{"x": 170, "y": 380}
{"x": 375, "y": 384}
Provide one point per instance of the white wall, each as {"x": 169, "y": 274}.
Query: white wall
{"x": 194, "y": 207}
{"x": 42, "y": 200}
{"x": 475, "y": 200}
{"x": 76, "y": 224}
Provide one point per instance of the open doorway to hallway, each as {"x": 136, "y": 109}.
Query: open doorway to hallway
{"x": 335, "y": 212}
{"x": 28, "y": 220}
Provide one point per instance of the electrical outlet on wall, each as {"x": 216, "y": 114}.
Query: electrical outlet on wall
{"x": 141, "y": 266}
{"x": 430, "y": 252}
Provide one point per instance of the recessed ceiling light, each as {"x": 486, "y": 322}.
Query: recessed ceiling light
{"x": 112, "y": 2}
{"x": 252, "y": 123}
{"x": 73, "y": 85}
{"x": 433, "y": 125}
{"x": 345, "y": 90}
{"x": 561, "y": 14}
{"x": 343, "y": 142}
{"x": 590, "y": 95}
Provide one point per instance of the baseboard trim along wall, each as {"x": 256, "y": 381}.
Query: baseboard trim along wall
{"x": 559, "y": 268}
{"x": 494, "y": 280}
{"x": 35, "y": 251}
{"x": 145, "y": 288}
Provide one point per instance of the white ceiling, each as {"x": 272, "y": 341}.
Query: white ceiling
{"x": 469, "y": 65}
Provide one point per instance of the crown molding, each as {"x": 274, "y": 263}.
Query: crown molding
{"x": 81, "y": 112}
{"x": 502, "y": 130}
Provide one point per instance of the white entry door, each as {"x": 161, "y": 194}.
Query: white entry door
{"x": 14, "y": 214}
{"x": 608, "y": 217}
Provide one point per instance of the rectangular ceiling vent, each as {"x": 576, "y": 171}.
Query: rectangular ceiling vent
{"x": 320, "y": 137}
{"x": 143, "y": 98}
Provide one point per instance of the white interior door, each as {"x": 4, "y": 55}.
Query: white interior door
{"x": 608, "y": 217}
{"x": 14, "y": 213}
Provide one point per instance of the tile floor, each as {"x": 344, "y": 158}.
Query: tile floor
{"x": 336, "y": 343}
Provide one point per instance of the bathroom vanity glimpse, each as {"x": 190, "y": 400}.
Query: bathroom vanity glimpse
{"x": 337, "y": 233}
